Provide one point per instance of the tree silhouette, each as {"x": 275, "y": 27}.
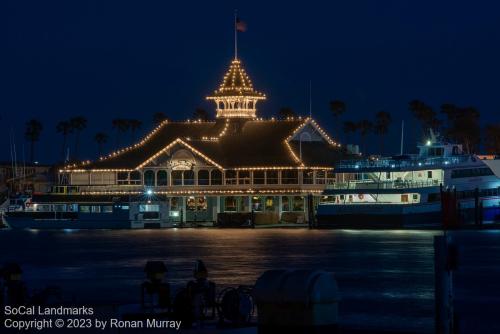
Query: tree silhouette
{"x": 492, "y": 138}
{"x": 349, "y": 127}
{"x": 286, "y": 112}
{"x": 158, "y": 118}
{"x": 382, "y": 122}
{"x": 463, "y": 126}
{"x": 100, "y": 138}
{"x": 134, "y": 125}
{"x": 426, "y": 116}
{"x": 32, "y": 134}
{"x": 337, "y": 107}
{"x": 365, "y": 127}
{"x": 201, "y": 114}
{"x": 121, "y": 125}
{"x": 65, "y": 128}
{"x": 78, "y": 124}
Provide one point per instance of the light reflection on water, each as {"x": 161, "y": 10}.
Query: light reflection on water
{"x": 381, "y": 274}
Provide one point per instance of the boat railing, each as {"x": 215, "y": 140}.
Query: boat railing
{"x": 408, "y": 163}
{"x": 371, "y": 185}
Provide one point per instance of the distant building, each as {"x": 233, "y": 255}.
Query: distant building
{"x": 25, "y": 178}
{"x": 227, "y": 170}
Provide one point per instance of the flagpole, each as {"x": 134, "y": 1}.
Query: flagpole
{"x": 235, "y": 35}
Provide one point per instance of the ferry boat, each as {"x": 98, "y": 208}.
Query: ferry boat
{"x": 406, "y": 190}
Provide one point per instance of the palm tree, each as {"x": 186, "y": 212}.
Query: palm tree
{"x": 365, "y": 127}
{"x": 33, "y": 130}
{"x": 337, "y": 107}
{"x": 286, "y": 112}
{"x": 134, "y": 125}
{"x": 100, "y": 138}
{"x": 425, "y": 115}
{"x": 202, "y": 114}
{"x": 65, "y": 128}
{"x": 349, "y": 127}
{"x": 158, "y": 118}
{"x": 121, "y": 125}
{"x": 78, "y": 124}
{"x": 382, "y": 122}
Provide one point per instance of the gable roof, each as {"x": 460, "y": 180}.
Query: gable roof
{"x": 227, "y": 143}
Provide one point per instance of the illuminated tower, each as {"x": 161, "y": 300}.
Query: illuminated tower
{"x": 236, "y": 97}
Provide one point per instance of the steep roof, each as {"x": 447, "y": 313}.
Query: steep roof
{"x": 231, "y": 143}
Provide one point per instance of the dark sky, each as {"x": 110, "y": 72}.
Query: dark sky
{"x": 110, "y": 59}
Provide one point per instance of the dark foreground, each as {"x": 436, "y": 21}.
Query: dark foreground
{"x": 385, "y": 277}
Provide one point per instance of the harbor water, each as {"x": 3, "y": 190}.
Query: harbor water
{"x": 386, "y": 278}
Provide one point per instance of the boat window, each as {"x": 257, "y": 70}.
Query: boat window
{"x": 107, "y": 209}
{"x": 429, "y": 174}
{"x": 203, "y": 177}
{"x": 272, "y": 177}
{"x": 149, "y": 208}
{"x": 470, "y": 172}
{"x": 96, "y": 209}
{"x": 259, "y": 177}
{"x": 42, "y": 207}
{"x": 149, "y": 178}
{"x": 388, "y": 175}
{"x": 162, "y": 178}
{"x": 404, "y": 198}
{"x": 216, "y": 177}
{"x": 85, "y": 208}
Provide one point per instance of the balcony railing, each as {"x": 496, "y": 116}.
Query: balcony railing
{"x": 372, "y": 185}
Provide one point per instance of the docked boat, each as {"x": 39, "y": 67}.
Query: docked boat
{"x": 413, "y": 190}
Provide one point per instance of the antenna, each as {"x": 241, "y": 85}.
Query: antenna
{"x": 310, "y": 99}
{"x": 235, "y": 34}
{"x": 402, "y": 136}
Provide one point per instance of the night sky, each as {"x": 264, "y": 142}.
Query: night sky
{"x": 120, "y": 59}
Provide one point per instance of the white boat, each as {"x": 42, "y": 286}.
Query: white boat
{"x": 405, "y": 191}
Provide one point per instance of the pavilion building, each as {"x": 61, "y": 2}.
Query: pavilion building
{"x": 235, "y": 168}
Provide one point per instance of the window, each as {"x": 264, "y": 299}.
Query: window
{"x": 175, "y": 203}
{"x": 272, "y": 177}
{"x": 269, "y": 203}
{"x": 177, "y": 178}
{"x": 107, "y": 209}
{"x": 320, "y": 177}
{"x": 289, "y": 177}
{"x": 85, "y": 208}
{"x": 259, "y": 177}
{"x": 230, "y": 204}
{"x": 188, "y": 178}
{"x": 308, "y": 177}
{"x": 149, "y": 178}
{"x": 404, "y": 198}
{"x": 96, "y": 209}
{"x": 122, "y": 177}
{"x": 230, "y": 177}
{"x": 191, "y": 203}
{"x": 285, "y": 204}
{"x": 388, "y": 175}
{"x": 471, "y": 172}
{"x": 330, "y": 177}
{"x": 298, "y": 203}
{"x": 256, "y": 203}
{"x": 243, "y": 177}
{"x": 216, "y": 177}
{"x": 429, "y": 174}
{"x": 203, "y": 177}
{"x": 149, "y": 208}
{"x": 201, "y": 203}
{"x": 135, "y": 177}
{"x": 162, "y": 178}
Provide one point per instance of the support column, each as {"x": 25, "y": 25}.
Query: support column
{"x": 280, "y": 207}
